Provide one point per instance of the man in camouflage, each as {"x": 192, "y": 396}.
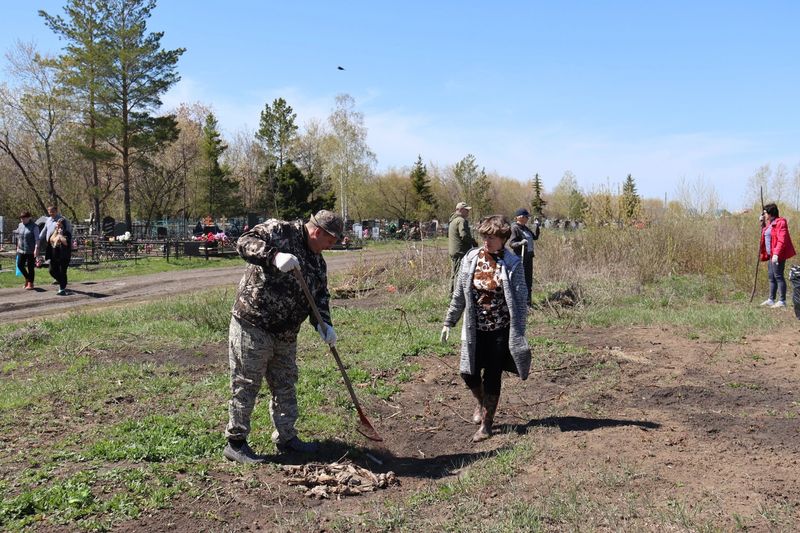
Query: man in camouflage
{"x": 270, "y": 307}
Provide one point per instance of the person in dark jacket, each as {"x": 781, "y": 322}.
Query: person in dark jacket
{"x": 59, "y": 249}
{"x": 459, "y": 238}
{"x": 775, "y": 248}
{"x": 27, "y": 248}
{"x": 47, "y": 231}
{"x": 521, "y": 243}
{"x": 269, "y": 309}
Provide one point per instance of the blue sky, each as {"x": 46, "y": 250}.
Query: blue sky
{"x": 666, "y": 91}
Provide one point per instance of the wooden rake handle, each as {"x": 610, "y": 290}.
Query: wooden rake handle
{"x": 299, "y": 277}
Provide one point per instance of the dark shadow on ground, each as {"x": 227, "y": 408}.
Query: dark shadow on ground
{"x": 576, "y": 423}
{"x": 89, "y": 294}
{"x": 427, "y": 467}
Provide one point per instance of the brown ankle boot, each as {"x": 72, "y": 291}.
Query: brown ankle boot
{"x": 490, "y": 407}
{"x": 477, "y": 416}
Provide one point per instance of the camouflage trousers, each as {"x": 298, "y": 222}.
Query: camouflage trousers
{"x": 256, "y": 355}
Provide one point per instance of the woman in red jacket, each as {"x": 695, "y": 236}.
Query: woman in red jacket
{"x": 776, "y": 247}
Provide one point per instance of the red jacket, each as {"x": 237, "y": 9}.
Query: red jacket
{"x": 780, "y": 241}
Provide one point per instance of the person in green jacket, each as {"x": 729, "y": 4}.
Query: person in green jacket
{"x": 460, "y": 239}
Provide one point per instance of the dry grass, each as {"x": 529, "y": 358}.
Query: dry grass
{"x": 723, "y": 247}
{"x": 600, "y": 262}
{"x": 412, "y": 267}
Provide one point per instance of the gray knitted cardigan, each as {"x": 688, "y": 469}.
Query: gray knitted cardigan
{"x": 516, "y": 293}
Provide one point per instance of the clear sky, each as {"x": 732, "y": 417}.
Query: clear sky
{"x": 666, "y": 91}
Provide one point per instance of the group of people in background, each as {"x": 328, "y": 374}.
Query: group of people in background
{"x": 519, "y": 241}
{"x": 55, "y": 238}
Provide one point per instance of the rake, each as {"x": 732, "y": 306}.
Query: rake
{"x": 365, "y": 428}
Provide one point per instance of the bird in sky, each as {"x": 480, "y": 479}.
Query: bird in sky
{"x": 340, "y": 68}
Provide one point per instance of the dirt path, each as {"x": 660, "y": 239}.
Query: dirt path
{"x": 18, "y": 304}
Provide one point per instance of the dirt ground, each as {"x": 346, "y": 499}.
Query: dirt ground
{"x": 714, "y": 425}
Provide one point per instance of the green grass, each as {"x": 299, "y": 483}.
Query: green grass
{"x": 70, "y": 370}
{"x": 694, "y": 304}
{"x": 116, "y": 269}
{"x": 159, "y": 438}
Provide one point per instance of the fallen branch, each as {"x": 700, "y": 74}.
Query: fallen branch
{"x": 440, "y": 360}
{"x": 550, "y": 305}
{"x": 566, "y": 367}
{"x": 455, "y": 412}
{"x": 715, "y": 349}
{"x": 393, "y": 415}
{"x": 405, "y": 318}
{"x": 430, "y": 429}
{"x": 556, "y": 397}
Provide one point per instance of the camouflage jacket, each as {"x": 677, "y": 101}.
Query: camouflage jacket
{"x": 273, "y": 300}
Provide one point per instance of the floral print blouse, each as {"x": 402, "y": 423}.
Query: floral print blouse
{"x": 487, "y": 293}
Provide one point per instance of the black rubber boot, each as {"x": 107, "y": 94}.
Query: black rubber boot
{"x": 477, "y": 416}
{"x": 490, "y": 407}
{"x": 240, "y": 452}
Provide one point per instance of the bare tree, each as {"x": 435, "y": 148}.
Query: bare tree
{"x": 33, "y": 114}
{"x": 392, "y": 195}
{"x": 698, "y": 197}
{"x": 246, "y": 157}
{"x": 796, "y": 187}
{"x": 349, "y": 159}
{"x": 759, "y": 181}
{"x": 778, "y": 183}
{"x": 559, "y": 200}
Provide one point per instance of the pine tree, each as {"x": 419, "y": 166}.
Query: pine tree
{"x": 466, "y": 174}
{"x": 537, "y": 203}
{"x": 630, "y": 203}
{"x": 295, "y": 193}
{"x": 221, "y": 191}
{"x": 577, "y": 205}
{"x": 481, "y": 200}
{"x": 426, "y": 201}
{"x": 139, "y": 72}
{"x": 82, "y": 65}
{"x": 276, "y": 132}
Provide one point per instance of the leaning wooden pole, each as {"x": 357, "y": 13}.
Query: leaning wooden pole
{"x": 758, "y": 252}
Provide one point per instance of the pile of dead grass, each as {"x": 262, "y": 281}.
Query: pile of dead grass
{"x": 415, "y": 266}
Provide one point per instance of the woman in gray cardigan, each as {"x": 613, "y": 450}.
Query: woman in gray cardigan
{"x": 492, "y": 294}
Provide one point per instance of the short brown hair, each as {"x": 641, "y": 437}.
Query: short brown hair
{"x": 495, "y": 225}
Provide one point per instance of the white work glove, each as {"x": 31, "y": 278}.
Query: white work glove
{"x": 285, "y": 262}
{"x": 445, "y": 334}
{"x": 775, "y": 259}
{"x": 536, "y": 222}
{"x": 326, "y": 332}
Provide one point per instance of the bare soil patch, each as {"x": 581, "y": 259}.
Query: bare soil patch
{"x": 679, "y": 419}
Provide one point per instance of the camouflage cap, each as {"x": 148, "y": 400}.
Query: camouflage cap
{"x": 329, "y": 221}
